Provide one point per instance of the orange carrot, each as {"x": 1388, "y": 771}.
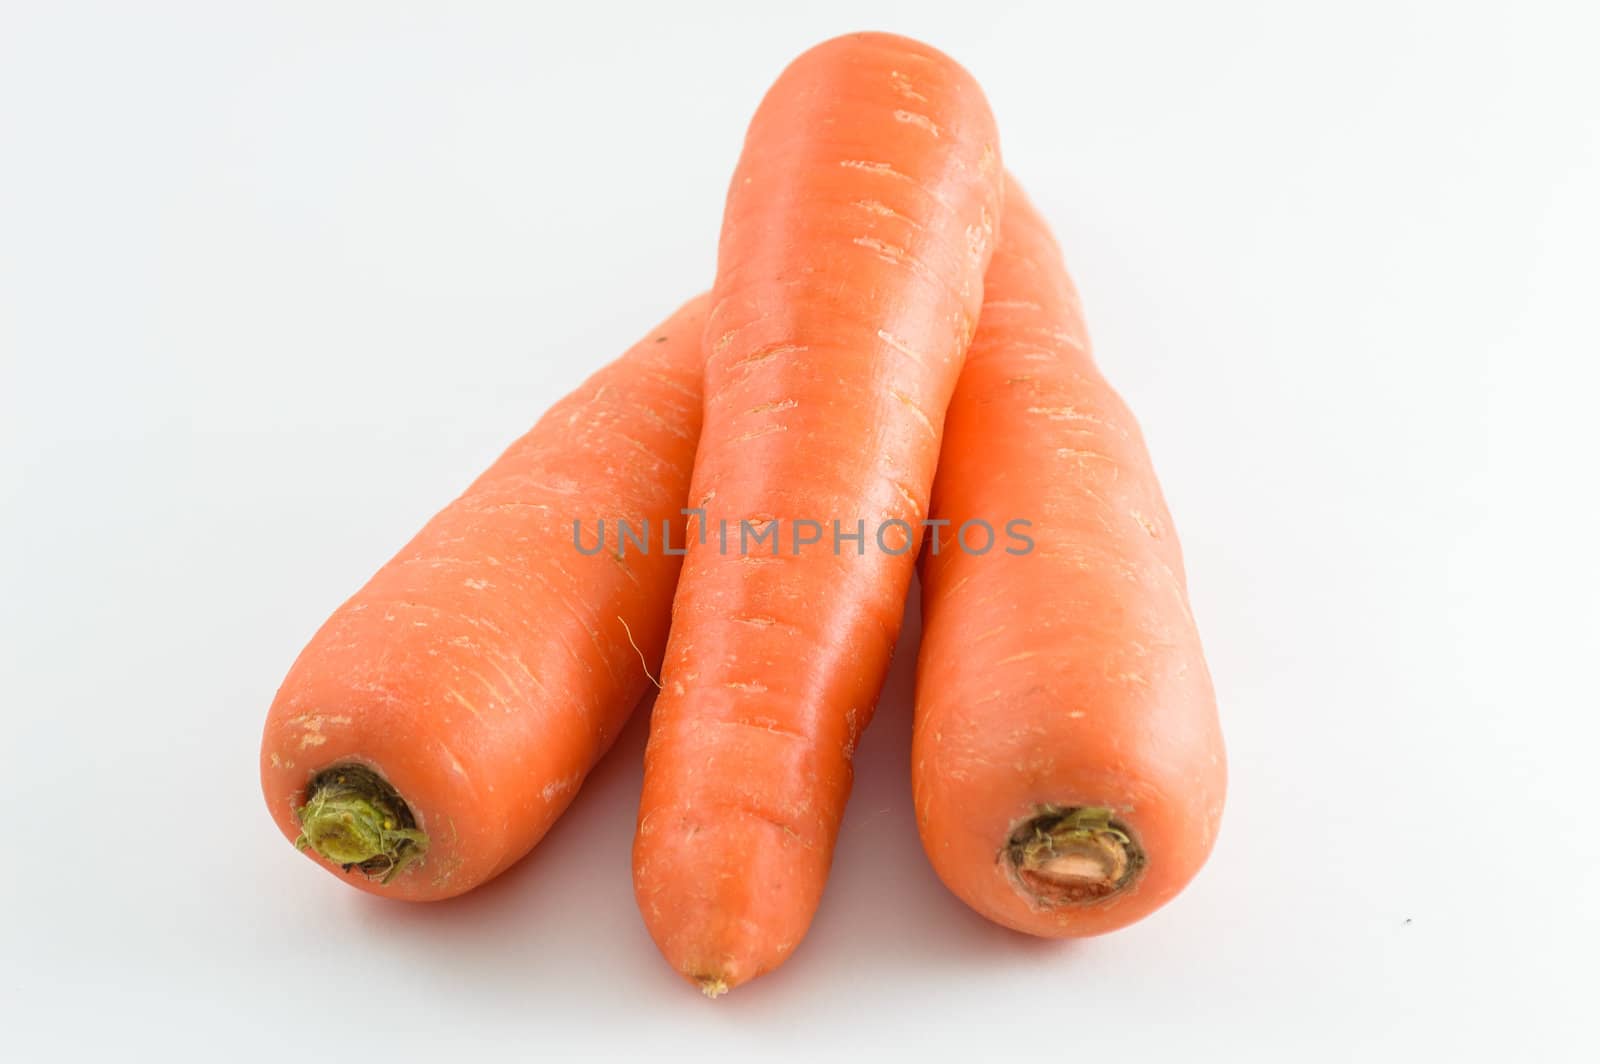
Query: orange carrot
{"x": 444, "y": 717}
{"x": 1068, "y": 768}
{"x": 850, "y": 270}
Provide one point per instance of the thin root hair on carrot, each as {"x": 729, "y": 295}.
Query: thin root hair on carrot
{"x": 643, "y": 664}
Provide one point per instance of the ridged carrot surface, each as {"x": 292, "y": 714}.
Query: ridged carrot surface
{"x": 1068, "y": 766}
{"x": 857, "y": 228}
{"x": 444, "y": 717}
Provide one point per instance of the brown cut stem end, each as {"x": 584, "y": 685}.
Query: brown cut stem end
{"x": 356, "y": 820}
{"x": 1071, "y": 855}
{"x": 712, "y": 986}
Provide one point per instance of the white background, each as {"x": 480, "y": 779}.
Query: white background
{"x": 276, "y": 280}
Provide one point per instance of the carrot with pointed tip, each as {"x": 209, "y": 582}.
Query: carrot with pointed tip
{"x": 443, "y": 718}
{"x": 850, "y": 269}
{"x": 1068, "y": 768}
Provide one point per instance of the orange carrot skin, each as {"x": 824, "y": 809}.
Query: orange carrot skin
{"x": 1071, "y": 675}
{"x": 858, "y": 225}
{"x": 486, "y": 668}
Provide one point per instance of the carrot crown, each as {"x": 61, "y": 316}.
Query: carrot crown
{"x": 355, "y": 819}
{"x": 1067, "y": 856}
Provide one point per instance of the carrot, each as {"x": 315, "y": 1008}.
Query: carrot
{"x": 857, "y": 228}
{"x": 1068, "y": 769}
{"x": 444, "y": 717}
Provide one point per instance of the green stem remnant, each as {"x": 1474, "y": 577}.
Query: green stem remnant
{"x": 353, "y": 818}
{"x": 1072, "y": 855}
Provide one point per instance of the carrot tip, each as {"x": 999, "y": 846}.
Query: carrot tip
{"x": 1072, "y": 855}
{"x": 712, "y": 986}
{"x": 355, "y": 819}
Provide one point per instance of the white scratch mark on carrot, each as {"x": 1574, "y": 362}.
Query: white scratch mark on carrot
{"x": 663, "y": 424}
{"x": 1074, "y": 452}
{"x": 766, "y": 408}
{"x": 455, "y": 763}
{"x": 769, "y": 352}
{"x": 559, "y": 787}
{"x": 902, "y": 85}
{"x": 873, "y": 168}
{"x": 883, "y": 210}
{"x": 456, "y": 697}
{"x": 1024, "y": 656}
{"x": 758, "y": 433}
{"x": 1148, "y": 525}
{"x": 642, "y": 447}
{"x": 921, "y": 121}
{"x": 911, "y": 404}
{"x": 907, "y": 494}
{"x": 667, "y": 382}
{"x": 901, "y": 346}
{"x": 888, "y": 252}
{"x": 1062, "y": 413}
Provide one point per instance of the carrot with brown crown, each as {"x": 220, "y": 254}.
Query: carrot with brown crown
{"x": 1068, "y": 767}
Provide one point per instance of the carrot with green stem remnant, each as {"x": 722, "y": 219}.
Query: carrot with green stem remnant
{"x": 444, "y": 717}
{"x": 857, "y": 229}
